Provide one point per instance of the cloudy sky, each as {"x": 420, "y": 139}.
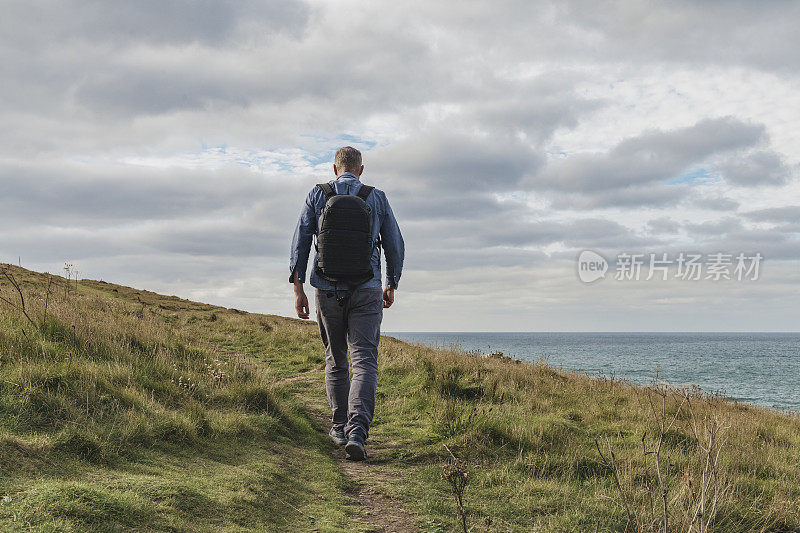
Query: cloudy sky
{"x": 169, "y": 144}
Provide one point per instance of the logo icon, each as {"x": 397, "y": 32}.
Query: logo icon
{"x": 591, "y": 266}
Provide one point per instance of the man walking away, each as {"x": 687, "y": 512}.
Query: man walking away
{"x": 351, "y": 222}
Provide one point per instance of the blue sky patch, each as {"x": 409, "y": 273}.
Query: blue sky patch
{"x": 690, "y": 177}
{"x": 319, "y": 157}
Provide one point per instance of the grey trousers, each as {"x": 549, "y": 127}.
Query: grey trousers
{"x": 355, "y": 324}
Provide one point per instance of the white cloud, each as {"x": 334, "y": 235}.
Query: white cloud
{"x": 171, "y": 149}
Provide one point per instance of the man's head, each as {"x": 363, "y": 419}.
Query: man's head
{"x": 347, "y": 159}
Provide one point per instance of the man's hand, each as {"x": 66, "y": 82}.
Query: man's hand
{"x": 300, "y": 298}
{"x": 301, "y": 304}
{"x": 388, "y": 298}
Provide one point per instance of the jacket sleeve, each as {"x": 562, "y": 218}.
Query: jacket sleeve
{"x": 393, "y": 247}
{"x": 301, "y": 241}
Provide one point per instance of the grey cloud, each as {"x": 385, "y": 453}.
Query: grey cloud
{"x": 434, "y": 259}
{"x": 758, "y": 168}
{"x": 462, "y": 103}
{"x": 693, "y": 143}
{"x": 510, "y": 230}
{"x": 600, "y": 233}
{"x": 326, "y": 79}
{"x": 148, "y": 92}
{"x": 218, "y": 239}
{"x": 537, "y": 116}
{"x": 162, "y": 272}
{"x": 74, "y": 194}
{"x": 654, "y": 195}
{"x": 46, "y": 244}
{"x": 89, "y": 213}
{"x": 773, "y": 245}
{"x": 650, "y": 157}
{"x": 730, "y": 33}
{"x": 789, "y": 228}
{"x": 663, "y": 225}
{"x": 152, "y": 21}
{"x": 716, "y": 227}
{"x": 456, "y": 161}
{"x": 447, "y": 246}
{"x": 790, "y": 213}
{"x": 469, "y": 168}
{"x": 716, "y": 203}
{"x": 460, "y": 203}
{"x": 210, "y": 66}
{"x": 535, "y": 108}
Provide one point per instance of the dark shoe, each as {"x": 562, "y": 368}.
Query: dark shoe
{"x": 337, "y": 436}
{"x": 354, "y": 449}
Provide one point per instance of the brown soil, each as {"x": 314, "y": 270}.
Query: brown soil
{"x": 381, "y": 512}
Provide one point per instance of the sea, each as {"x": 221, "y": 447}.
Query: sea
{"x": 757, "y": 368}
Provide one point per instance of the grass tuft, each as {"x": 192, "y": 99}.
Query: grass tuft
{"x": 130, "y": 410}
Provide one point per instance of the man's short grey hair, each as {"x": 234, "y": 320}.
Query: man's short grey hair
{"x": 347, "y": 159}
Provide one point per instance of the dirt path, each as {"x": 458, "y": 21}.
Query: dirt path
{"x": 381, "y": 512}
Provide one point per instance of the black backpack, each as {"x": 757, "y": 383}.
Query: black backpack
{"x": 344, "y": 241}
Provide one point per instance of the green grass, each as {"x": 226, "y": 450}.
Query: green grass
{"x": 529, "y": 435}
{"x": 126, "y": 410}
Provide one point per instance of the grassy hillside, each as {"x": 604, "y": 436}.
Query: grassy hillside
{"x": 124, "y": 410}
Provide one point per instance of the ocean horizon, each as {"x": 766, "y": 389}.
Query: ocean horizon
{"x": 760, "y": 368}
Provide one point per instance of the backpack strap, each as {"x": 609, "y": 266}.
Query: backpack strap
{"x": 329, "y": 191}
{"x": 364, "y": 192}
